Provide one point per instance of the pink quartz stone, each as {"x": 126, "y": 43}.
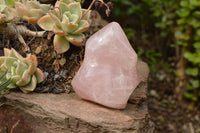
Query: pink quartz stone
{"x": 108, "y": 75}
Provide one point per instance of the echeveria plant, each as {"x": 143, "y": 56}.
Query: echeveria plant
{"x": 22, "y": 71}
{"x": 66, "y": 20}
{"x": 31, "y": 10}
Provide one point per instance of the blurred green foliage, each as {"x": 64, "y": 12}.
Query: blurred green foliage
{"x": 177, "y": 22}
{"x": 152, "y": 56}
{"x": 130, "y": 33}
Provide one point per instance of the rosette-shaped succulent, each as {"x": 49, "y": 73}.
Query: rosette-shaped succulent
{"x": 6, "y": 13}
{"x": 22, "y": 71}
{"x": 67, "y": 22}
{"x": 31, "y": 10}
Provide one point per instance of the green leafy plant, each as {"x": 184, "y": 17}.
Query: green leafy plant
{"x": 181, "y": 19}
{"x": 68, "y": 21}
{"x": 130, "y": 7}
{"x": 152, "y": 56}
{"x": 3, "y": 85}
{"x": 130, "y": 33}
{"x": 22, "y": 71}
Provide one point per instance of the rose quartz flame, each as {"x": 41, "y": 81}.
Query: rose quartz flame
{"x": 108, "y": 75}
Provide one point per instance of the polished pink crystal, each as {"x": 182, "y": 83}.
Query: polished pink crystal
{"x": 108, "y": 74}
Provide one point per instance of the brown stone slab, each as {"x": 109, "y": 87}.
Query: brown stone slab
{"x": 68, "y": 113}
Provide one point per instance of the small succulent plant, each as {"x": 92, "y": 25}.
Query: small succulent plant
{"x": 31, "y": 10}
{"x": 22, "y": 71}
{"x": 66, "y": 20}
{"x": 6, "y": 13}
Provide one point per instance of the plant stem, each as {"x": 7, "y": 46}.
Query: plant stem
{"x": 88, "y": 8}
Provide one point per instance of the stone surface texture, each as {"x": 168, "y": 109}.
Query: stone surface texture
{"x": 108, "y": 74}
{"x": 67, "y": 113}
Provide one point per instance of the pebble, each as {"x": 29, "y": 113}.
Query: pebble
{"x": 196, "y": 118}
{"x": 72, "y": 56}
{"x": 46, "y": 74}
{"x": 38, "y": 49}
{"x": 154, "y": 93}
{"x": 56, "y": 76}
{"x": 188, "y": 128}
{"x": 171, "y": 127}
{"x": 63, "y": 73}
{"x": 175, "y": 113}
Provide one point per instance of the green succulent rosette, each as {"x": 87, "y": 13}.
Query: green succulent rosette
{"x": 22, "y": 71}
{"x": 67, "y": 22}
{"x": 31, "y": 10}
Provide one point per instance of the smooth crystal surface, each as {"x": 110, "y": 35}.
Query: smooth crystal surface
{"x": 108, "y": 75}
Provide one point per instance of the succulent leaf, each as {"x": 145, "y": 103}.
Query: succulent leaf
{"x": 39, "y": 75}
{"x": 46, "y": 23}
{"x": 22, "y": 11}
{"x": 31, "y": 86}
{"x": 21, "y": 66}
{"x": 37, "y": 12}
{"x": 44, "y": 7}
{"x": 25, "y": 79}
{"x": 67, "y": 1}
{"x": 23, "y": 71}
{"x": 32, "y": 5}
{"x": 30, "y": 19}
{"x": 63, "y": 7}
{"x": 61, "y": 44}
{"x": 83, "y": 26}
{"x": 76, "y": 39}
{"x": 55, "y": 17}
{"x": 6, "y": 51}
{"x": 75, "y": 8}
{"x": 58, "y": 31}
{"x": 8, "y": 62}
{"x": 68, "y": 27}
